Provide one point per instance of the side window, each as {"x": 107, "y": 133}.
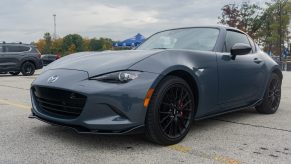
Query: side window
{"x": 232, "y": 38}
{"x": 34, "y": 50}
{"x": 52, "y": 57}
{"x": 12, "y": 49}
{"x": 17, "y": 48}
{"x": 45, "y": 57}
{"x": 1, "y": 49}
{"x": 23, "y": 48}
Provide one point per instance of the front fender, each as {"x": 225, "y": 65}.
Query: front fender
{"x": 202, "y": 66}
{"x": 175, "y": 68}
{"x": 29, "y": 58}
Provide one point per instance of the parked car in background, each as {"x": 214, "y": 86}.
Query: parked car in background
{"x": 18, "y": 57}
{"x": 49, "y": 58}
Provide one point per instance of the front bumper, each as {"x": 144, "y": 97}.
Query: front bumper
{"x": 83, "y": 130}
{"x": 109, "y": 108}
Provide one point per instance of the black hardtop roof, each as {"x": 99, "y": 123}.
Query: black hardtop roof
{"x": 211, "y": 26}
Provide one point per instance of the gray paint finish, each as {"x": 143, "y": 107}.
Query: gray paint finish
{"x": 223, "y": 84}
{"x": 103, "y": 62}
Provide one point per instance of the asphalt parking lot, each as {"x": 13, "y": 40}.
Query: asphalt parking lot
{"x": 241, "y": 137}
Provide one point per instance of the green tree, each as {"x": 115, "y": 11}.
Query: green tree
{"x": 72, "y": 43}
{"x": 48, "y": 43}
{"x": 86, "y": 44}
{"x": 274, "y": 30}
{"x": 106, "y": 43}
{"x": 244, "y": 16}
{"x": 72, "y": 49}
{"x": 95, "y": 45}
{"x": 57, "y": 46}
{"x": 230, "y": 15}
{"x": 250, "y": 15}
{"x": 268, "y": 26}
{"x": 72, "y": 39}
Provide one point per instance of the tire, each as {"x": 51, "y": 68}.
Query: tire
{"x": 170, "y": 112}
{"x": 27, "y": 69}
{"x": 14, "y": 73}
{"x": 272, "y": 96}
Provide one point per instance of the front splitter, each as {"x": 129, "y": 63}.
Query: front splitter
{"x": 83, "y": 130}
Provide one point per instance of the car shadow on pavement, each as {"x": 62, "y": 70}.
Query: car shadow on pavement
{"x": 69, "y": 136}
{"x": 3, "y": 75}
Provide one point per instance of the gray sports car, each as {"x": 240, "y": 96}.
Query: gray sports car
{"x": 174, "y": 77}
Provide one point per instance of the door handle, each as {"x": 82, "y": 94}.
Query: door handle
{"x": 257, "y": 60}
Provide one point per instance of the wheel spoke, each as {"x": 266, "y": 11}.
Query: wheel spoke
{"x": 167, "y": 113}
{"x": 276, "y": 85}
{"x": 179, "y": 126}
{"x": 185, "y": 105}
{"x": 175, "y": 127}
{"x": 164, "y": 119}
{"x": 187, "y": 110}
{"x": 165, "y": 103}
{"x": 276, "y": 101}
{"x": 182, "y": 122}
{"x": 277, "y": 93}
{"x": 181, "y": 94}
{"x": 184, "y": 97}
{"x": 169, "y": 123}
{"x": 176, "y": 94}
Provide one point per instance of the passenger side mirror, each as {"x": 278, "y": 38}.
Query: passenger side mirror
{"x": 240, "y": 49}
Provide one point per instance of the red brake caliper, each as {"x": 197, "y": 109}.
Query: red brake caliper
{"x": 181, "y": 106}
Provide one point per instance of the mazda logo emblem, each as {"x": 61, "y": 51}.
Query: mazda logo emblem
{"x": 52, "y": 79}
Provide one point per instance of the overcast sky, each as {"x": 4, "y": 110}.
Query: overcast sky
{"x": 28, "y": 20}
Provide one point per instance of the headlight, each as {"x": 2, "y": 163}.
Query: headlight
{"x": 117, "y": 77}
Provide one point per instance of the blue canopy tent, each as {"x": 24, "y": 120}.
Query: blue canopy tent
{"x": 131, "y": 42}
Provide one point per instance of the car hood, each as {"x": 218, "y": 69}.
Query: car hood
{"x": 96, "y": 63}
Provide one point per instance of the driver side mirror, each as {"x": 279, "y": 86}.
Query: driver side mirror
{"x": 240, "y": 49}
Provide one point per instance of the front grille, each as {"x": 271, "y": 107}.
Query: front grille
{"x": 57, "y": 101}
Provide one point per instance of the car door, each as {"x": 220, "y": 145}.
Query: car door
{"x": 241, "y": 79}
{"x": 12, "y": 56}
{"x": 4, "y": 61}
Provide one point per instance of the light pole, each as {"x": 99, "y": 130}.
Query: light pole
{"x": 55, "y": 27}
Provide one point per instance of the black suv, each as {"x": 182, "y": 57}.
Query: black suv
{"x": 18, "y": 57}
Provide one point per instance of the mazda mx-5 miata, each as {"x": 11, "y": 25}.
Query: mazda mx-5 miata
{"x": 174, "y": 77}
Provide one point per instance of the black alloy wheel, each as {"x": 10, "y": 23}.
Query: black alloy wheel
{"x": 28, "y": 69}
{"x": 272, "y": 96}
{"x": 171, "y": 111}
{"x": 175, "y": 111}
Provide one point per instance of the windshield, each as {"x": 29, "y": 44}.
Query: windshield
{"x": 203, "y": 39}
